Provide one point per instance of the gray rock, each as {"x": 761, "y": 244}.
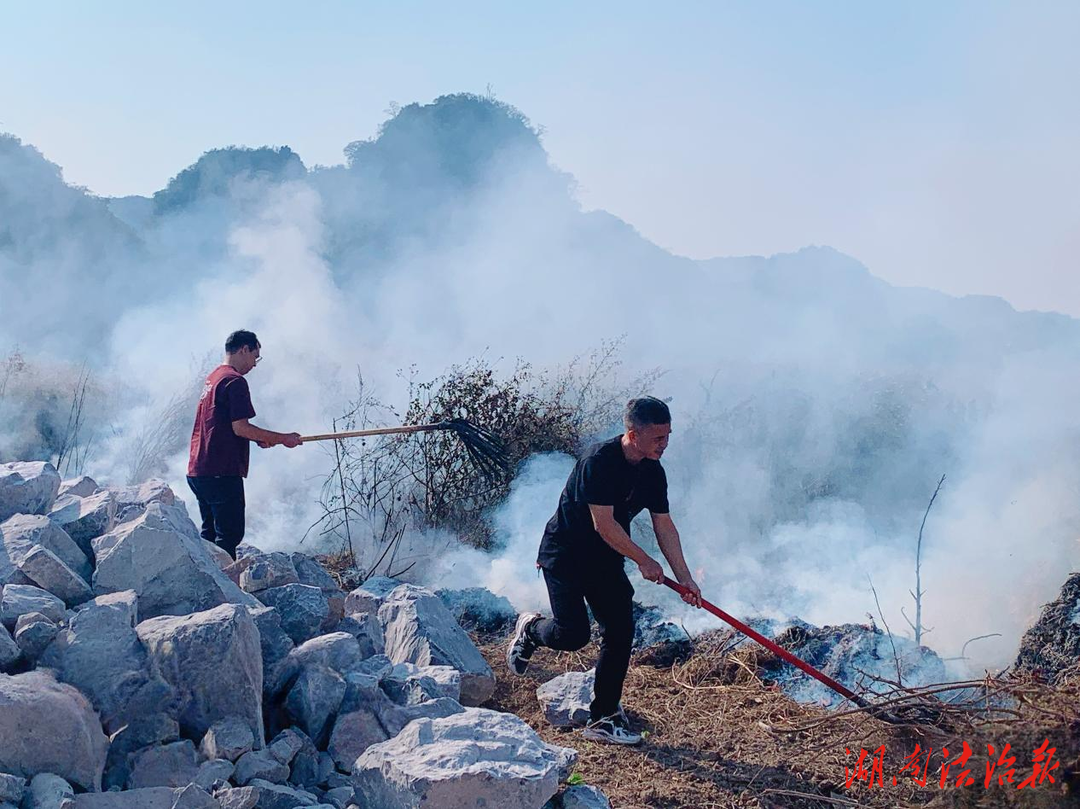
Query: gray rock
{"x": 238, "y": 797}
{"x": 170, "y": 765}
{"x": 365, "y": 627}
{"x": 286, "y": 745}
{"x": 377, "y": 666}
{"x": 48, "y": 791}
{"x": 228, "y": 738}
{"x": 302, "y": 608}
{"x": 274, "y": 644}
{"x": 367, "y": 716}
{"x": 9, "y": 650}
{"x": 309, "y": 571}
{"x": 20, "y": 599}
{"x": 340, "y": 797}
{"x": 85, "y": 518}
{"x": 268, "y": 570}
{"x": 584, "y": 796}
{"x": 279, "y": 796}
{"x": 565, "y": 699}
{"x": 168, "y": 568}
{"x": 327, "y": 768}
{"x": 479, "y": 609}
{"x": 213, "y": 662}
{"x": 132, "y": 501}
{"x": 153, "y": 798}
{"x": 189, "y": 797}
{"x": 418, "y": 628}
{"x": 140, "y": 733}
{"x": 12, "y": 787}
{"x": 83, "y": 487}
{"x": 46, "y": 726}
{"x": 305, "y": 768}
{"x": 218, "y": 554}
{"x": 408, "y": 684}
{"x": 370, "y": 595}
{"x": 260, "y": 764}
{"x": 339, "y": 651}
{"x": 314, "y": 700}
{"x": 33, "y": 634}
{"x": 27, "y": 488}
{"x": 23, "y": 531}
{"x": 44, "y": 568}
{"x": 100, "y": 654}
{"x": 214, "y": 771}
{"x": 474, "y": 758}
{"x": 194, "y": 797}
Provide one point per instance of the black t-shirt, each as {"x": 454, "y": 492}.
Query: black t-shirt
{"x": 602, "y": 477}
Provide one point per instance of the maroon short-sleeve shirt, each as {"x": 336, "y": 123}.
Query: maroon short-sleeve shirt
{"x": 215, "y": 448}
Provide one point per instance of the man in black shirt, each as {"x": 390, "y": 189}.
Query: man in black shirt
{"x": 583, "y": 552}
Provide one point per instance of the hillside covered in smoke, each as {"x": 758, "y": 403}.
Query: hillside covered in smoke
{"x": 816, "y": 406}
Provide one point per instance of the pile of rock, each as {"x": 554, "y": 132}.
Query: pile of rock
{"x": 142, "y": 667}
{"x": 1050, "y": 649}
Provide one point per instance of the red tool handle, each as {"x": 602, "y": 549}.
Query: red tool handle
{"x": 772, "y": 647}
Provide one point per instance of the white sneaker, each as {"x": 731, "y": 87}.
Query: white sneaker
{"x": 611, "y": 730}
{"x": 521, "y": 648}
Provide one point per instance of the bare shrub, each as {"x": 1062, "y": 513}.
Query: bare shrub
{"x": 381, "y": 491}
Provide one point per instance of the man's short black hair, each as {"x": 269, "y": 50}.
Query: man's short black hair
{"x": 239, "y": 339}
{"x": 644, "y": 412}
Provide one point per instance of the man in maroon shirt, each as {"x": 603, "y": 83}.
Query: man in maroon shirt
{"x": 220, "y": 443}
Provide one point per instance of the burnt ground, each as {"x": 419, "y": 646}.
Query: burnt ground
{"x": 720, "y": 735}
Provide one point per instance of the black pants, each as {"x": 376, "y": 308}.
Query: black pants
{"x": 611, "y": 598}
{"x": 221, "y": 506}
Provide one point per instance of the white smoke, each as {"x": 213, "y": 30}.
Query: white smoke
{"x": 814, "y": 406}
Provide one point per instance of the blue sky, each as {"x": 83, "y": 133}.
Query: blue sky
{"x": 936, "y": 142}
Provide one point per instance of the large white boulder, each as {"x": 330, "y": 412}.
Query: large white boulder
{"x": 268, "y": 570}
{"x": 213, "y": 662}
{"x": 27, "y": 488}
{"x": 85, "y": 518}
{"x": 49, "y": 727}
{"x": 20, "y": 599}
{"x": 100, "y": 654}
{"x": 82, "y": 486}
{"x": 466, "y": 760}
{"x": 45, "y": 569}
{"x": 303, "y": 609}
{"x": 22, "y": 532}
{"x": 418, "y": 628}
{"x": 131, "y": 501}
{"x": 160, "y": 557}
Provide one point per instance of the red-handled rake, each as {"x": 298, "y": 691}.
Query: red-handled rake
{"x": 783, "y": 653}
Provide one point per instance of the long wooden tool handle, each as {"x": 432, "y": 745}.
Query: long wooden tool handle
{"x": 415, "y": 428}
{"x": 774, "y": 648}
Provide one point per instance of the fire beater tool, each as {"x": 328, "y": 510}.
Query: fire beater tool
{"x": 787, "y": 656}
{"x": 486, "y": 450}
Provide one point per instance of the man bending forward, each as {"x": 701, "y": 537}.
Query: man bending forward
{"x": 583, "y": 552}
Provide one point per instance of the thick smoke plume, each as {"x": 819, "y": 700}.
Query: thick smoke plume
{"x": 815, "y": 405}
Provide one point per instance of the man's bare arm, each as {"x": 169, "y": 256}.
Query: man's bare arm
{"x": 613, "y": 534}
{"x": 667, "y": 537}
{"x": 266, "y": 438}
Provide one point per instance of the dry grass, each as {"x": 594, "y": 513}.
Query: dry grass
{"x": 722, "y": 736}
